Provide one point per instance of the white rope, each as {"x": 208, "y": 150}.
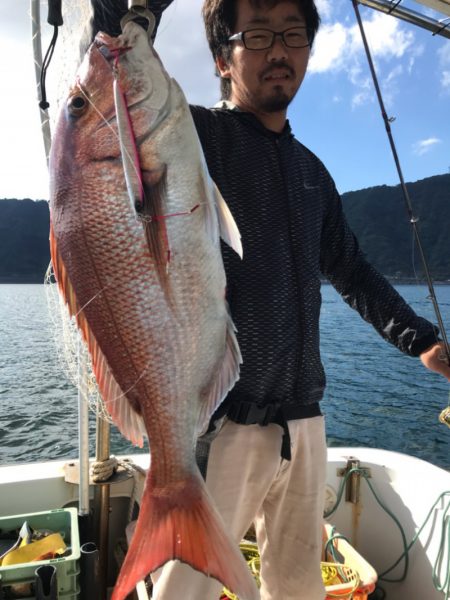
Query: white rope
{"x": 104, "y": 470}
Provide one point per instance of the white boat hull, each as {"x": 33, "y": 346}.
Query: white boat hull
{"x": 406, "y": 485}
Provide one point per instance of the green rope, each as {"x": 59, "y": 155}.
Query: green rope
{"x": 441, "y": 581}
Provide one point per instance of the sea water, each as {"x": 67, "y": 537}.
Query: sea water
{"x": 375, "y": 397}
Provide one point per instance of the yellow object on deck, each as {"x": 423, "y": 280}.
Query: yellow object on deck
{"x": 48, "y": 547}
{"x": 353, "y": 579}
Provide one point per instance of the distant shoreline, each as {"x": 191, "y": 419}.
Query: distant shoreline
{"x": 23, "y": 280}
{"x": 20, "y": 279}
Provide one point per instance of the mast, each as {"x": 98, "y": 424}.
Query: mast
{"x": 37, "y": 55}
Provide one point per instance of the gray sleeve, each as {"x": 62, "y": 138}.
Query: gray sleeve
{"x": 366, "y": 290}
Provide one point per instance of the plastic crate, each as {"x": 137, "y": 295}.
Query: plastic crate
{"x": 63, "y": 521}
{"x": 356, "y": 565}
{"x": 351, "y": 578}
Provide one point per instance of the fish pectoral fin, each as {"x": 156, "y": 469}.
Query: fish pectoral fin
{"x": 229, "y": 231}
{"x": 217, "y": 212}
{"x": 129, "y": 422}
{"x": 224, "y": 380}
{"x": 153, "y": 218}
{"x": 178, "y": 521}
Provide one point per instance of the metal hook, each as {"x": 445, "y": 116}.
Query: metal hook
{"x": 135, "y": 3}
{"x": 138, "y": 10}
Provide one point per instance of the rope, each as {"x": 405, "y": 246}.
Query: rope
{"x": 441, "y": 568}
{"x": 104, "y": 470}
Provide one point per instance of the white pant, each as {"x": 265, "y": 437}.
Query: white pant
{"x": 249, "y": 481}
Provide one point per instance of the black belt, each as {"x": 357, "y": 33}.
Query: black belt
{"x": 250, "y": 413}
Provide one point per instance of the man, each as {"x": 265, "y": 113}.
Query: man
{"x": 267, "y": 461}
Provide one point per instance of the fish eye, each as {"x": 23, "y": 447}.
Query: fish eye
{"x": 76, "y": 105}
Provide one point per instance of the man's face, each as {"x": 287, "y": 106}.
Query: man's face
{"x": 265, "y": 81}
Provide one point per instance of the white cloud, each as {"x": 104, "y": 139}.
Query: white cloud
{"x": 423, "y": 146}
{"x": 391, "y": 84}
{"x": 394, "y": 74}
{"x": 339, "y": 47}
{"x": 364, "y": 93}
{"x": 359, "y": 98}
{"x": 325, "y": 9}
{"x": 329, "y": 51}
{"x": 386, "y": 38}
{"x": 444, "y": 63}
{"x": 444, "y": 54}
{"x": 182, "y": 22}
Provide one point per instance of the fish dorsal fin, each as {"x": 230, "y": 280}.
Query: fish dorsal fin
{"x": 225, "y": 378}
{"x": 128, "y": 420}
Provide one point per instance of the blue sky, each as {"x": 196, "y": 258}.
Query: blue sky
{"x": 335, "y": 113}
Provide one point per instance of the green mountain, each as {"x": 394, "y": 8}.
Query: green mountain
{"x": 377, "y": 215}
{"x": 380, "y": 220}
{"x": 24, "y": 248}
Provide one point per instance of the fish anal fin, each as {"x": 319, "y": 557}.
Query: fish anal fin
{"x": 181, "y": 523}
{"x": 224, "y": 380}
{"x": 126, "y": 418}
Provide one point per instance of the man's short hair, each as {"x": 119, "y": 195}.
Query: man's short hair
{"x": 220, "y": 19}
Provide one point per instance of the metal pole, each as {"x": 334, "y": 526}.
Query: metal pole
{"x": 83, "y": 435}
{"x": 37, "y": 54}
{"x": 101, "y": 505}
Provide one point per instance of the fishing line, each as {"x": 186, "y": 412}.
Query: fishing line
{"x": 113, "y": 131}
{"x": 445, "y": 415}
{"x": 92, "y": 299}
{"x": 108, "y": 124}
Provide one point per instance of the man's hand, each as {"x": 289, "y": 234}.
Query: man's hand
{"x": 435, "y": 359}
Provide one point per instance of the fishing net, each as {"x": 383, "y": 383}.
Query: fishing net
{"x": 71, "y": 350}
{"x": 73, "y": 39}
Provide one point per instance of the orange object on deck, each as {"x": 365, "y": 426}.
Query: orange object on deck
{"x": 357, "y": 577}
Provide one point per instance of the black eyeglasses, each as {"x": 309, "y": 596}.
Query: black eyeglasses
{"x": 262, "y": 39}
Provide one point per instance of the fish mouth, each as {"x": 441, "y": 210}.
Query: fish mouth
{"x": 110, "y": 51}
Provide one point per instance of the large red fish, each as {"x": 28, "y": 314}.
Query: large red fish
{"x": 135, "y": 225}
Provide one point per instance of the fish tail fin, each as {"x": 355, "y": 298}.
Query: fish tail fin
{"x": 183, "y": 524}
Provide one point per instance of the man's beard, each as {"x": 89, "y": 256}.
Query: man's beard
{"x": 276, "y": 102}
